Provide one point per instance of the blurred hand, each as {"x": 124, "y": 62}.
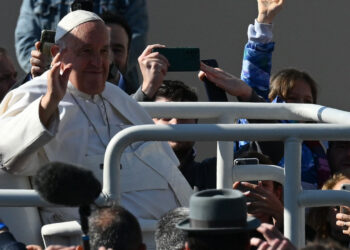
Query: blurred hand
{"x": 262, "y": 203}
{"x": 38, "y": 61}
{"x": 274, "y": 239}
{"x": 56, "y": 89}
{"x": 34, "y": 247}
{"x": 231, "y": 84}
{"x": 268, "y": 9}
{"x": 154, "y": 67}
{"x": 343, "y": 219}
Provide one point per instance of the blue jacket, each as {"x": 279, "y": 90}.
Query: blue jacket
{"x": 36, "y": 15}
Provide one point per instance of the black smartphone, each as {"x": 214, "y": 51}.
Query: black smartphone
{"x": 214, "y": 93}
{"x": 47, "y": 39}
{"x": 181, "y": 59}
{"x": 246, "y": 161}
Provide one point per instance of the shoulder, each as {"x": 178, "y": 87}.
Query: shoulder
{"x": 24, "y": 94}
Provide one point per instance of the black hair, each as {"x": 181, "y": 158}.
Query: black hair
{"x": 176, "y": 91}
{"x": 167, "y": 236}
{"x": 111, "y": 18}
{"x": 114, "y": 227}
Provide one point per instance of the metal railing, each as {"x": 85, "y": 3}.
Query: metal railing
{"x": 295, "y": 199}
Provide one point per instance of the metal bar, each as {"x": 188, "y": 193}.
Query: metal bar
{"x": 320, "y": 198}
{"x": 224, "y": 153}
{"x": 22, "y": 198}
{"x": 274, "y": 111}
{"x": 294, "y": 215}
{"x": 207, "y": 132}
{"x": 258, "y": 172}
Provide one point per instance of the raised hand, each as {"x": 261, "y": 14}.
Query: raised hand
{"x": 231, "y": 84}
{"x": 262, "y": 202}
{"x": 154, "y": 67}
{"x": 274, "y": 239}
{"x": 268, "y": 9}
{"x": 38, "y": 61}
{"x": 343, "y": 219}
{"x": 56, "y": 89}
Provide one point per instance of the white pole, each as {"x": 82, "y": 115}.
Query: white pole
{"x": 294, "y": 214}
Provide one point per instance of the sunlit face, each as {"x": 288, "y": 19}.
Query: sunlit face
{"x": 87, "y": 49}
{"x": 119, "y": 46}
{"x": 176, "y": 146}
{"x": 300, "y": 93}
{"x": 339, "y": 155}
{"x": 8, "y": 75}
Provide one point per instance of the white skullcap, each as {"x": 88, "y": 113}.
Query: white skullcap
{"x": 72, "y": 20}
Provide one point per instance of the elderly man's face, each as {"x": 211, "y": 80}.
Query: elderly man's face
{"x": 88, "y": 51}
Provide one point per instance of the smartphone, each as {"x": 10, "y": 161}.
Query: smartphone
{"x": 214, "y": 93}
{"x": 246, "y": 161}
{"x": 47, "y": 39}
{"x": 345, "y": 187}
{"x": 181, "y": 59}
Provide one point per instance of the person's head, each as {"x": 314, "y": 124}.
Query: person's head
{"x": 121, "y": 35}
{"x": 8, "y": 73}
{"x": 293, "y": 86}
{"x": 338, "y": 155}
{"x": 218, "y": 220}
{"x": 323, "y": 219}
{"x": 115, "y": 227}
{"x": 176, "y": 91}
{"x": 83, "y": 41}
{"x": 167, "y": 236}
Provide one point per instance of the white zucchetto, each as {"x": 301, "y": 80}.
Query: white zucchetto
{"x": 72, "y": 20}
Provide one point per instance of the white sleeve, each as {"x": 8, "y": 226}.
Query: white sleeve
{"x": 260, "y": 32}
{"x": 23, "y": 135}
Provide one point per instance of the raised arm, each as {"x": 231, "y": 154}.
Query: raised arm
{"x": 154, "y": 67}
{"x": 256, "y": 66}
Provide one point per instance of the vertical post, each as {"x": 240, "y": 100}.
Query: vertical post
{"x": 224, "y": 158}
{"x": 294, "y": 214}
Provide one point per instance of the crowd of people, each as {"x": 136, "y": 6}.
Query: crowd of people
{"x": 69, "y": 112}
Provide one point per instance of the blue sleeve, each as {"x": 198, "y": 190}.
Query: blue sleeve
{"x": 27, "y": 32}
{"x": 256, "y": 66}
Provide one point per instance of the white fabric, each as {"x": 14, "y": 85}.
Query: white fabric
{"x": 150, "y": 180}
{"x": 260, "y": 32}
{"x": 72, "y": 20}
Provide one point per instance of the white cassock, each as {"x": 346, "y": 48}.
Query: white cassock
{"x": 150, "y": 180}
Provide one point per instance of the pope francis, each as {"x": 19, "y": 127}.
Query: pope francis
{"x": 70, "y": 113}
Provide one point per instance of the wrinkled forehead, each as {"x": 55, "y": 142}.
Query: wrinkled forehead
{"x": 90, "y": 32}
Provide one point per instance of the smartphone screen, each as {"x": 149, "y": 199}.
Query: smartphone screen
{"x": 181, "y": 59}
{"x": 47, "y": 40}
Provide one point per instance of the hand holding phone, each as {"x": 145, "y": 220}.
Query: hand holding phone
{"x": 47, "y": 39}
